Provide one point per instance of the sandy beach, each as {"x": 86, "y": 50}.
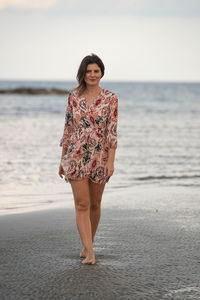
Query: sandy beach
{"x": 143, "y": 253}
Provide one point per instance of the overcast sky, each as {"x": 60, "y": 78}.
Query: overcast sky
{"x": 156, "y": 40}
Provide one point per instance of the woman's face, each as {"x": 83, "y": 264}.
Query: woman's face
{"x": 93, "y": 74}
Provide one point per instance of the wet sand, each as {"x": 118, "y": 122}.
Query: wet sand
{"x": 140, "y": 254}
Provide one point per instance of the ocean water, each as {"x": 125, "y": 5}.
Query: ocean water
{"x": 158, "y": 142}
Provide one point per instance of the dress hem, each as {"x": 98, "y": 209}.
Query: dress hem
{"x": 84, "y": 177}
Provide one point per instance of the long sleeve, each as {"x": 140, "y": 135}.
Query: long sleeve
{"x": 68, "y": 126}
{"x": 111, "y": 136}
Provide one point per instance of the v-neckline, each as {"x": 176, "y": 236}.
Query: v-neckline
{"x": 98, "y": 96}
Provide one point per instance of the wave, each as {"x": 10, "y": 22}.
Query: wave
{"x": 34, "y": 91}
{"x": 163, "y": 177}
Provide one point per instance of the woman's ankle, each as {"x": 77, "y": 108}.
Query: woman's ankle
{"x": 90, "y": 250}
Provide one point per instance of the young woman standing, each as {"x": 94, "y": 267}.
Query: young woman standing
{"x": 89, "y": 143}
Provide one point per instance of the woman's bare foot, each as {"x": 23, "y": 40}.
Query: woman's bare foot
{"x": 90, "y": 258}
{"x": 83, "y": 252}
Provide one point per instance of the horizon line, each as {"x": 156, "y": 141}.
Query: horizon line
{"x": 111, "y": 80}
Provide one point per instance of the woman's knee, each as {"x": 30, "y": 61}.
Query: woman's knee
{"x": 81, "y": 194}
{"x": 95, "y": 205}
{"x": 82, "y": 203}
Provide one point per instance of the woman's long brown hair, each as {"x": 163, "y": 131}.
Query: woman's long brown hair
{"x": 89, "y": 59}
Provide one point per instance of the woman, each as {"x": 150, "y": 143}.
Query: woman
{"x": 88, "y": 145}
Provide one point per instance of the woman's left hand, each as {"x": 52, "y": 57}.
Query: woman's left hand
{"x": 109, "y": 169}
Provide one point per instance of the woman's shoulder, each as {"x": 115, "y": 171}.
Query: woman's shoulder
{"x": 75, "y": 93}
{"x": 72, "y": 91}
{"x": 108, "y": 93}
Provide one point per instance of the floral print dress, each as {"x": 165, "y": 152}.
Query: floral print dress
{"x": 89, "y": 132}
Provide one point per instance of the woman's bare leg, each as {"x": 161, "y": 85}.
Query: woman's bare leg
{"x": 96, "y": 192}
{"x": 81, "y": 194}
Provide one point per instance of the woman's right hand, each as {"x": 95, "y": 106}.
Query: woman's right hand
{"x": 61, "y": 171}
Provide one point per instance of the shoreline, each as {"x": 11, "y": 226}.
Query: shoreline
{"x": 148, "y": 197}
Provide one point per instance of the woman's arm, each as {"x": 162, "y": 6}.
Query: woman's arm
{"x": 68, "y": 127}
{"x": 112, "y": 135}
{"x": 111, "y": 155}
{"x": 64, "y": 151}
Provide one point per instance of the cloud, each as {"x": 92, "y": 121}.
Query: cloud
{"x": 166, "y": 7}
{"x": 27, "y": 4}
{"x": 185, "y": 8}
{"x": 146, "y": 8}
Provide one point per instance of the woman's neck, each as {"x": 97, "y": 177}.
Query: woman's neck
{"x": 92, "y": 90}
